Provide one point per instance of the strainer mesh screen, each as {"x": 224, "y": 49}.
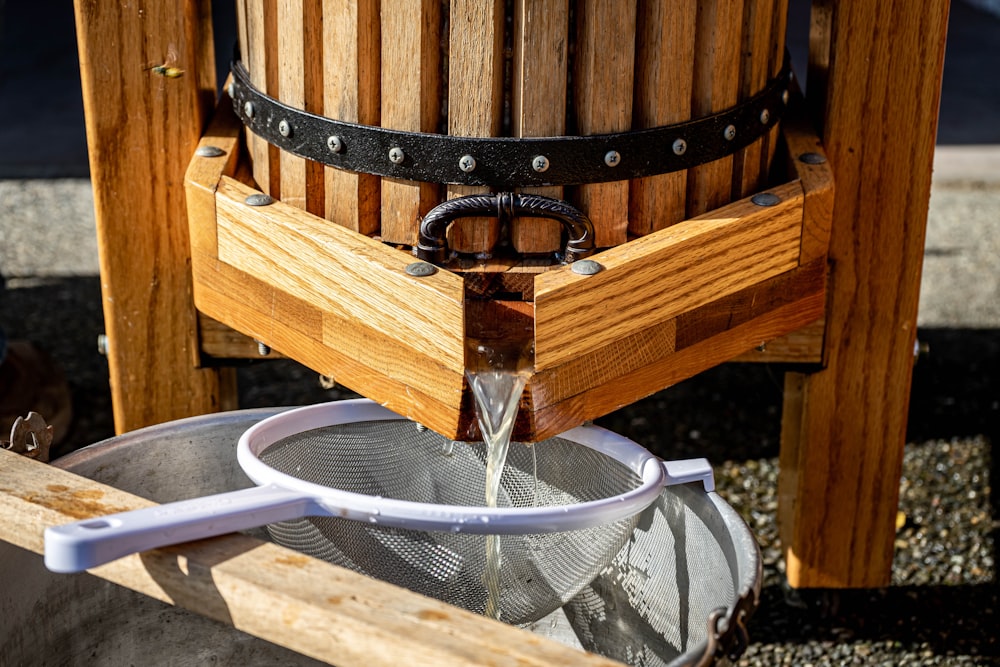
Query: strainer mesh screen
{"x": 395, "y": 459}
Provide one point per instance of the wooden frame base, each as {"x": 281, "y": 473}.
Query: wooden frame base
{"x": 663, "y": 308}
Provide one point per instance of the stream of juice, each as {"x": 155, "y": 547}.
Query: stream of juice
{"x": 496, "y": 384}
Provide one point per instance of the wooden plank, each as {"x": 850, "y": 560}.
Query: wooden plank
{"x": 843, "y": 448}
{"x": 663, "y": 83}
{"x": 260, "y": 18}
{"x": 307, "y": 605}
{"x": 345, "y": 274}
{"x": 381, "y": 367}
{"x": 552, "y": 414}
{"x": 816, "y": 177}
{"x": 290, "y": 56}
{"x": 602, "y": 93}
{"x": 779, "y": 26}
{"x": 475, "y": 100}
{"x": 749, "y": 175}
{"x": 716, "y": 88}
{"x": 538, "y": 99}
{"x": 137, "y": 170}
{"x": 411, "y": 100}
{"x": 802, "y": 346}
{"x": 659, "y": 276}
{"x": 658, "y": 340}
{"x": 350, "y": 60}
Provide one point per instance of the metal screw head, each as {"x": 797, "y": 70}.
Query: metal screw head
{"x": 259, "y": 199}
{"x": 680, "y": 147}
{"x": 766, "y": 199}
{"x": 784, "y": 97}
{"x": 334, "y": 144}
{"x": 284, "y": 129}
{"x": 209, "y": 151}
{"x": 396, "y": 155}
{"x": 812, "y": 158}
{"x": 540, "y": 163}
{"x": 263, "y": 349}
{"x": 765, "y": 116}
{"x": 586, "y": 267}
{"x": 729, "y": 133}
{"x": 467, "y": 163}
{"x": 421, "y": 269}
{"x": 612, "y": 158}
{"x": 248, "y": 109}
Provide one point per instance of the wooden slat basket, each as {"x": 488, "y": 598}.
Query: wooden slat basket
{"x": 695, "y": 269}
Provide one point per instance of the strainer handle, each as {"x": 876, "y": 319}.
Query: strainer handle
{"x": 78, "y": 546}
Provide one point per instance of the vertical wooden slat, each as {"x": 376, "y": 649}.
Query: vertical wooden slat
{"x": 313, "y": 83}
{"x": 255, "y": 57}
{"x": 663, "y": 80}
{"x": 756, "y": 56}
{"x": 411, "y": 100}
{"x": 845, "y": 442}
{"x": 350, "y": 60}
{"x": 137, "y": 169}
{"x": 605, "y": 62}
{"x": 291, "y": 90}
{"x": 475, "y": 99}
{"x": 779, "y": 24}
{"x": 538, "y": 98}
{"x": 241, "y": 28}
{"x": 716, "y": 85}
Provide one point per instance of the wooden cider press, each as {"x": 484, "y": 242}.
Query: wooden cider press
{"x": 634, "y": 194}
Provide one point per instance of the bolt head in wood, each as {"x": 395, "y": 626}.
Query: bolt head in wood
{"x": 421, "y": 269}
{"x": 209, "y": 151}
{"x": 586, "y": 267}
{"x": 259, "y": 199}
{"x": 766, "y": 199}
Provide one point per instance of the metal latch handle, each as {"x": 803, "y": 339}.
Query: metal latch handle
{"x": 432, "y": 245}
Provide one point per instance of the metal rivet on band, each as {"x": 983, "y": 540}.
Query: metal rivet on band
{"x": 586, "y": 267}
{"x": 248, "y": 109}
{"x": 784, "y": 97}
{"x": 729, "y": 133}
{"x": 467, "y": 163}
{"x": 421, "y": 269}
{"x": 612, "y": 158}
{"x": 334, "y": 144}
{"x": 680, "y": 147}
{"x": 812, "y": 158}
{"x": 766, "y": 199}
{"x": 765, "y": 116}
{"x": 259, "y": 199}
{"x": 231, "y": 89}
{"x": 209, "y": 151}
{"x": 396, "y": 155}
{"x": 284, "y": 129}
{"x": 540, "y": 163}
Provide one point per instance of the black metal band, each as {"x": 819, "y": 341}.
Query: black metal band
{"x": 508, "y": 162}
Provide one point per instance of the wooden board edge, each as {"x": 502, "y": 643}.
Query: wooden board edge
{"x": 564, "y": 299}
{"x": 271, "y": 592}
{"x": 556, "y": 417}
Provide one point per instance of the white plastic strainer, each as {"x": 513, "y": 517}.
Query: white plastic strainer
{"x": 355, "y": 484}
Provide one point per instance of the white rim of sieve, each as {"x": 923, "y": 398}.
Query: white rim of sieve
{"x": 455, "y": 518}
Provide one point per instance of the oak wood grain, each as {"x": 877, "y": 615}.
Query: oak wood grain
{"x": 659, "y": 276}
{"x": 475, "y": 100}
{"x": 137, "y": 170}
{"x": 663, "y": 88}
{"x": 843, "y": 447}
{"x": 602, "y": 93}
{"x": 538, "y": 100}
{"x": 307, "y": 605}
{"x": 411, "y": 90}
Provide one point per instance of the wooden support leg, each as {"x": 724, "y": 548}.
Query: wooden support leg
{"x": 875, "y": 74}
{"x": 148, "y": 86}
